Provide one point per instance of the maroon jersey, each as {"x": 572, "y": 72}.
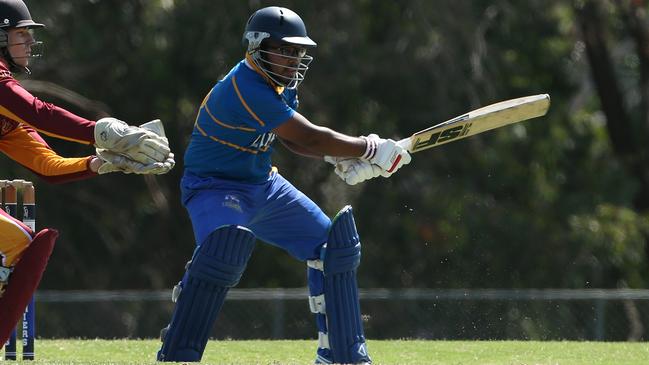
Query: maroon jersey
{"x": 22, "y": 116}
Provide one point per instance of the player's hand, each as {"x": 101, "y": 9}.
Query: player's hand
{"x": 353, "y": 170}
{"x": 140, "y": 144}
{"x": 385, "y": 153}
{"x": 341, "y": 164}
{"x": 358, "y": 171}
{"x": 114, "y": 162}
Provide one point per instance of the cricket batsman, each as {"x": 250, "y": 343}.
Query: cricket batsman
{"x": 234, "y": 195}
{"x": 120, "y": 147}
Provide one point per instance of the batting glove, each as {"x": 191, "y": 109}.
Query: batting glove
{"x": 353, "y": 170}
{"x": 385, "y": 153}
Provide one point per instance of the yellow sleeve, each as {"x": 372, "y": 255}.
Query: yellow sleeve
{"x": 28, "y": 149}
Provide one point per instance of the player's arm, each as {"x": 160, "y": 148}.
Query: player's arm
{"x": 306, "y": 138}
{"x": 19, "y": 105}
{"x": 25, "y": 146}
{"x": 111, "y": 134}
{"x": 299, "y": 150}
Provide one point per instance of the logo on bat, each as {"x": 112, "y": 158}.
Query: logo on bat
{"x": 445, "y": 135}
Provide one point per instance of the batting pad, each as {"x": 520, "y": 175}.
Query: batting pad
{"x": 216, "y": 266}
{"x": 341, "y": 259}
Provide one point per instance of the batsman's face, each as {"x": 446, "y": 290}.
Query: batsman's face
{"x": 284, "y": 60}
{"x": 20, "y": 45}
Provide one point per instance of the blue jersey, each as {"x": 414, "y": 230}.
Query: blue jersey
{"x": 232, "y": 137}
{"x": 228, "y": 176}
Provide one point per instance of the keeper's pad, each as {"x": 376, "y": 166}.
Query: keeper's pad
{"x": 334, "y": 295}
{"x": 217, "y": 266}
{"x": 24, "y": 280}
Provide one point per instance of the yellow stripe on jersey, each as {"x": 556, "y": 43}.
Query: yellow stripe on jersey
{"x": 209, "y": 112}
{"x": 217, "y": 121}
{"x": 278, "y": 89}
{"x": 245, "y": 105}
{"x": 7, "y": 113}
{"x": 206, "y": 98}
{"x": 226, "y": 143}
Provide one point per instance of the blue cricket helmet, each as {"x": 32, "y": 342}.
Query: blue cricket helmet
{"x": 278, "y": 24}
{"x": 285, "y": 28}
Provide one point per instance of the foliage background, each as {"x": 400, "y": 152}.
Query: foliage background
{"x": 555, "y": 202}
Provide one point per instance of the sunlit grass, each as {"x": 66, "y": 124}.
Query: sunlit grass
{"x": 383, "y": 352}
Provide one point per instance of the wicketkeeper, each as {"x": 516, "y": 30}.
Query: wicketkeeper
{"x": 234, "y": 195}
{"x": 120, "y": 147}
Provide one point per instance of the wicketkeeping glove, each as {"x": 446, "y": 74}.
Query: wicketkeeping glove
{"x": 137, "y": 143}
{"x": 114, "y": 162}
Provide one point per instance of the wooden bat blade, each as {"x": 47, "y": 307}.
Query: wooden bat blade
{"x": 477, "y": 121}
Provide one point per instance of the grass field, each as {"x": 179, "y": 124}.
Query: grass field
{"x": 383, "y": 352}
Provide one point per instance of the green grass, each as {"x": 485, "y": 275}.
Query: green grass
{"x": 383, "y": 352}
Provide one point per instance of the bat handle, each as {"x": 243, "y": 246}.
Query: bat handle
{"x": 405, "y": 143}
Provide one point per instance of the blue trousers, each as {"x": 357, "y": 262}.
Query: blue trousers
{"x": 275, "y": 211}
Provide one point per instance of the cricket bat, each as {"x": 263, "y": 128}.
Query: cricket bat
{"x": 477, "y": 121}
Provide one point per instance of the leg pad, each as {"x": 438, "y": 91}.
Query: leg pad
{"x": 217, "y": 265}
{"x": 339, "y": 316}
